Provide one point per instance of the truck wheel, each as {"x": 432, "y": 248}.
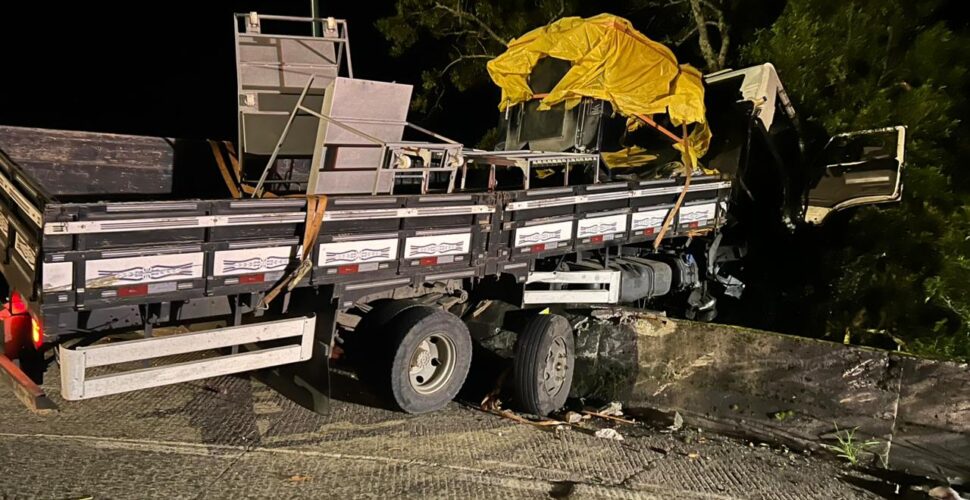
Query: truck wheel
{"x": 430, "y": 356}
{"x": 544, "y": 363}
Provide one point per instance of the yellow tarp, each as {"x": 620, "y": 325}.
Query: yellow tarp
{"x": 627, "y": 157}
{"x": 611, "y": 61}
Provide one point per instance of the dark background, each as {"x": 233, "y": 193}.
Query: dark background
{"x": 166, "y": 68}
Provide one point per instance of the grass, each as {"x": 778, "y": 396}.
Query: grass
{"x": 848, "y": 446}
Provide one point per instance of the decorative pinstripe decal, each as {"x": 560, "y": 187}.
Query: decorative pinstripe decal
{"x": 145, "y": 269}
{"x": 357, "y": 252}
{"x": 254, "y": 260}
{"x": 541, "y": 236}
{"x": 648, "y": 219}
{"x": 544, "y": 233}
{"x": 595, "y": 226}
{"x": 150, "y": 273}
{"x": 433, "y": 246}
{"x": 698, "y": 215}
{"x": 438, "y": 248}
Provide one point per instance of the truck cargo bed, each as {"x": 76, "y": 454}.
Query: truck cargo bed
{"x": 70, "y": 166}
{"x": 73, "y": 238}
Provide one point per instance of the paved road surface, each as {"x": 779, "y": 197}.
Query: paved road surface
{"x": 234, "y": 437}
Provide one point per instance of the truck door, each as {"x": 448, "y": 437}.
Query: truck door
{"x": 859, "y": 168}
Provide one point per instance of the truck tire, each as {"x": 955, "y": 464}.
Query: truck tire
{"x": 543, "y": 364}
{"x": 378, "y": 320}
{"x": 431, "y": 351}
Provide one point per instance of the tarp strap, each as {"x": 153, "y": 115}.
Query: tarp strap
{"x": 231, "y": 184}
{"x": 650, "y": 121}
{"x": 683, "y": 194}
{"x": 315, "y": 207}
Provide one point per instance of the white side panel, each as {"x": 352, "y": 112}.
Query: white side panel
{"x": 435, "y": 246}
{"x": 609, "y": 295}
{"x": 543, "y": 233}
{"x": 147, "y": 269}
{"x": 254, "y": 260}
{"x": 357, "y": 252}
{"x": 595, "y": 226}
{"x": 58, "y": 276}
{"x": 648, "y": 219}
{"x": 76, "y": 384}
{"x": 701, "y": 214}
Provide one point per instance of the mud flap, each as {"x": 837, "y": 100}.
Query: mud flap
{"x": 308, "y": 384}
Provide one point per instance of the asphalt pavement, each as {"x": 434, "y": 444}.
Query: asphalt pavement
{"x": 234, "y": 437}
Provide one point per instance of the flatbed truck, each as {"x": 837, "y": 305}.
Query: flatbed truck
{"x": 322, "y": 233}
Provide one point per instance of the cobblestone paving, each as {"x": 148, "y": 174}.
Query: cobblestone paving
{"x": 234, "y": 437}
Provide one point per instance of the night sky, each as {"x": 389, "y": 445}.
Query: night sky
{"x": 167, "y": 68}
{"x": 169, "y": 71}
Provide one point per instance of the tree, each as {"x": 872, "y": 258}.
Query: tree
{"x": 703, "y": 20}
{"x": 461, "y": 36}
{"x": 895, "y": 272}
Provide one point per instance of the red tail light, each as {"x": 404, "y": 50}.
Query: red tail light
{"x": 17, "y": 304}
{"x": 36, "y": 332}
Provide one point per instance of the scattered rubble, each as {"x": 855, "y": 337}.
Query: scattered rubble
{"x": 574, "y": 418}
{"x": 678, "y": 423}
{"x": 614, "y": 409}
{"x": 609, "y": 434}
{"x": 944, "y": 493}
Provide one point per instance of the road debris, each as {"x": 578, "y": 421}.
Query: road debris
{"x": 944, "y": 493}
{"x": 574, "y": 418}
{"x": 609, "y": 434}
{"x": 614, "y": 409}
{"x": 214, "y": 388}
{"x": 491, "y": 401}
{"x": 297, "y": 478}
{"x": 607, "y": 417}
{"x": 678, "y": 423}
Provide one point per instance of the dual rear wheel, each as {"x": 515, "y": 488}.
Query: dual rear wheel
{"x": 428, "y": 355}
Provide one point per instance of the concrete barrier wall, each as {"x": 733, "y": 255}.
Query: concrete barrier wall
{"x": 779, "y": 387}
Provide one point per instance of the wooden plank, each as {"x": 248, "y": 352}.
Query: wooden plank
{"x": 29, "y": 393}
{"x": 82, "y": 149}
{"x": 68, "y": 162}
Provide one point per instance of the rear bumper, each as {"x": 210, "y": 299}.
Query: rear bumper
{"x": 77, "y": 385}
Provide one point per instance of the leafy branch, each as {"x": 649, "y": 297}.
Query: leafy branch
{"x": 460, "y": 13}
